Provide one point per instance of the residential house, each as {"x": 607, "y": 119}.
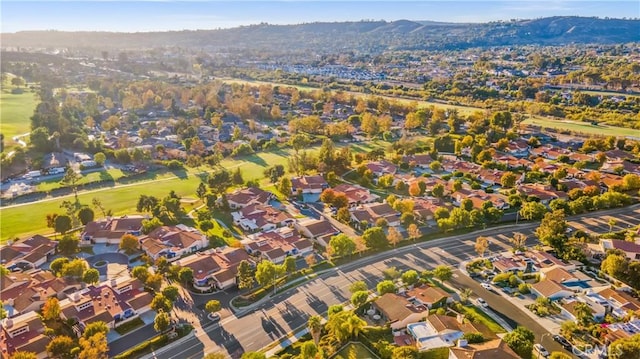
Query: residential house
{"x": 565, "y": 276}
{"x": 428, "y": 296}
{"x": 381, "y": 168}
{"x": 252, "y": 195}
{"x": 110, "y": 230}
{"x": 608, "y": 180}
{"x": 551, "y": 290}
{"x": 356, "y": 194}
{"x": 276, "y": 245}
{"x": 398, "y": 310}
{"x": 620, "y": 303}
{"x": 114, "y": 302}
{"x": 318, "y": 230}
{"x": 479, "y": 197}
{"x": 215, "y": 268}
{"x": 172, "y": 242}
{"x": 308, "y": 184}
{"x": 545, "y": 193}
{"x": 419, "y": 160}
{"x": 22, "y": 293}
{"x": 518, "y": 148}
{"x": 258, "y": 217}
{"x": 511, "y": 265}
{"x": 496, "y": 348}
{"x": 619, "y": 155}
{"x": 568, "y": 308}
{"x": 23, "y": 333}
{"x": 490, "y": 177}
{"x": 27, "y": 254}
{"x": 371, "y": 213}
{"x": 439, "y": 331}
{"x": 630, "y": 249}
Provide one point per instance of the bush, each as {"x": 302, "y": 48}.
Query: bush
{"x": 523, "y": 288}
{"x": 473, "y": 338}
{"x": 502, "y": 277}
{"x": 143, "y": 347}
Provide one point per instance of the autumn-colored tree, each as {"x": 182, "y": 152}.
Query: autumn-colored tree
{"x": 393, "y": 236}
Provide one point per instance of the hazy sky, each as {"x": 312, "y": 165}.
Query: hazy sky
{"x": 70, "y": 15}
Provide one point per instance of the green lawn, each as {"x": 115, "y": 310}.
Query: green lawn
{"x": 355, "y": 348}
{"x": 483, "y": 318}
{"x": 30, "y": 219}
{"x": 110, "y": 174}
{"x": 15, "y": 112}
{"x": 581, "y": 127}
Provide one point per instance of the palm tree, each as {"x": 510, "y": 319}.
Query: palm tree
{"x": 465, "y": 294}
{"x": 518, "y": 240}
{"x": 612, "y": 223}
{"x": 315, "y": 327}
{"x": 355, "y": 325}
{"x": 583, "y": 313}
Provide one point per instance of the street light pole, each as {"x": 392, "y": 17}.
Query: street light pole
{"x": 541, "y": 339}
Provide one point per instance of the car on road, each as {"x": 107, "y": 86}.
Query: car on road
{"x": 563, "y": 341}
{"x": 215, "y": 317}
{"x": 541, "y": 350}
{"x": 483, "y": 303}
{"x": 486, "y": 286}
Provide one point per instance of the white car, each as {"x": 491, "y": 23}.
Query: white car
{"x": 483, "y": 303}
{"x": 541, "y": 350}
{"x": 486, "y": 286}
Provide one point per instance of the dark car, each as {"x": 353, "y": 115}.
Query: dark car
{"x": 562, "y": 341}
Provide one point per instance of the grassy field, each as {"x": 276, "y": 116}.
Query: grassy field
{"x": 581, "y": 127}
{"x": 15, "y": 112}
{"x": 358, "y": 349}
{"x": 29, "y": 219}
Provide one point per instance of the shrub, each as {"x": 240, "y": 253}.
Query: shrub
{"x": 502, "y": 277}
{"x": 473, "y": 338}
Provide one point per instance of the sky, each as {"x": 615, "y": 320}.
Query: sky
{"x": 167, "y": 15}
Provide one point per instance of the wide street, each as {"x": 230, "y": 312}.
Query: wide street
{"x": 272, "y": 319}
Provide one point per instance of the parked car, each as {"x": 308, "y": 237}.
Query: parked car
{"x": 483, "y": 303}
{"x": 215, "y": 317}
{"x": 563, "y": 341}
{"x": 541, "y": 350}
{"x": 486, "y": 286}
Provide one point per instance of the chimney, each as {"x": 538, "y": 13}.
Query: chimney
{"x": 462, "y": 343}
{"x": 460, "y": 319}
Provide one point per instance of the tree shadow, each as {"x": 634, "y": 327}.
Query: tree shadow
{"x": 180, "y": 173}
{"x": 316, "y": 304}
{"x": 257, "y": 160}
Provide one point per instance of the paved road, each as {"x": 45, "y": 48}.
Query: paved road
{"x": 290, "y": 310}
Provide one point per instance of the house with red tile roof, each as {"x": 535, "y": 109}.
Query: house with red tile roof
{"x": 381, "y": 168}
{"x": 258, "y": 217}
{"x": 278, "y": 244}
{"x": 247, "y": 196}
{"x": 545, "y": 193}
{"x": 29, "y": 253}
{"x": 172, "y": 242}
{"x": 371, "y": 213}
{"x": 23, "y": 333}
{"x": 418, "y": 160}
{"x": 308, "y": 184}
{"x": 317, "y": 230}
{"x": 215, "y": 268}
{"x": 496, "y": 348}
{"x": 630, "y": 249}
{"x": 110, "y": 230}
{"x": 356, "y": 194}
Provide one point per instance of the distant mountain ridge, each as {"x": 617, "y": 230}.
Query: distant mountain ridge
{"x": 372, "y": 36}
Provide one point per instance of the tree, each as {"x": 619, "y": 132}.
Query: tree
{"x": 91, "y": 276}
{"x": 413, "y": 231}
{"x": 51, "y": 309}
{"x": 393, "y": 236}
{"x": 410, "y": 277}
{"x": 552, "y": 231}
{"x": 94, "y": 347}
{"x": 154, "y": 281}
{"x": 308, "y": 350}
{"x": 343, "y": 215}
{"x": 615, "y": 264}
{"x": 63, "y": 223}
{"x": 359, "y": 298}
{"x": 161, "y": 322}
{"x": 386, "y": 286}
{"x": 23, "y": 355}
{"x": 443, "y": 272}
{"x": 358, "y": 286}
{"x": 559, "y": 355}
{"x": 508, "y": 179}
{"x": 438, "y": 190}
{"x": 612, "y": 223}
{"x": 392, "y": 273}
{"x": 60, "y": 347}
{"x": 245, "y": 275}
{"x": 405, "y": 352}
{"x": 289, "y": 265}
{"x": 374, "y": 238}
{"x": 95, "y": 327}
{"x": 341, "y": 245}
{"x": 285, "y": 186}
{"x": 129, "y": 243}
{"x": 414, "y": 189}
{"x": 481, "y": 246}
{"x": 185, "y": 275}
{"x": 99, "y": 158}
{"x": 68, "y": 245}
{"x": 583, "y": 313}
{"x": 518, "y": 241}
{"x": 171, "y": 292}
{"x": 267, "y": 272}
{"x": 465, "y": 294}
{"x": 344, "y": 325}
{"x": 85, "y": 215}
{"x": 626, "y": 347}
{"x": 58, "y": 264}
{"x": 521, "y": 341}
{"x": 533, "y": 211}
{"x": 161, "y": 303}
{"x": 314, "y": 323}
{"x": 71, "y": 179}
{"x": 141, "y": 273}
{"x": 215, "y": 356}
